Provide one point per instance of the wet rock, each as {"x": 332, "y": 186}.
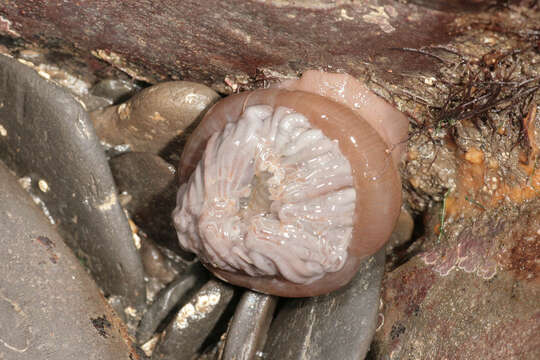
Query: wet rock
{"x": 34, "y": 56}
{"x": 402, "y": 232}
{"x": 161, "y": 265}
{"x": 335, "y": 326}
{"x": 153, "y": 287}
{"x": 150, "y": 184}
{"x": 49, "y": 306}
{"x": 64, "y": 77}
{"x": 455, "y": 5}
{"x": 155, "y": 263}
{"x": 474, "y": 295}
{"x": 46, "y": 137}
{"x": 154, "y": 117}
{"x": 92, "y": 102}
{"x": 234, "y": 42}
{"x": 188, "y": 330}
{"x": 114, "y": 90}
{"x": 168, "y": 299}
{"x": 249, "y": 327}
{"x": 459, "y": 316}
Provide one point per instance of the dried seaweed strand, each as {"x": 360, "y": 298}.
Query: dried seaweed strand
{"x": 419, "y": 51}
{"x": 443, "y": 216}
{"x": 474, "y": 202}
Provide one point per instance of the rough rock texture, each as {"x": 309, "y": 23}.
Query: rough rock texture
{"x": 211, "y": 39}
{"x": 468, "y": 287}
{"x": 449, "y": 310}
{"x": 457, "y": 320}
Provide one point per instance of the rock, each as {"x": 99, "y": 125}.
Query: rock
{"x": 402, "y": 232}
{"x": 47, "y": 138}
{"x": 243, "y": 41}
{"x": 152, "y": 119}
{"x": 249, "y": 326}
{"x": 187, "y": 331}
{"x": 474, "y": 299}
{"x": 114, "y": 90}
{"x": 49, "y": 306}
{"x": 155, "y": 263}
{"x": 168, "y": 299}
{"x": 150, "y": 185}
{"x": 339, "y": 325}
{"x": 455, "y": 5}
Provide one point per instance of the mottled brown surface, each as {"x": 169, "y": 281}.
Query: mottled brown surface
{"x": 460, "y": 316}
{"x": 208, "y": 40}
{"x": 468, "y": 287}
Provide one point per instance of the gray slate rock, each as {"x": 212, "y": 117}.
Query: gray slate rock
{"x": 46, "y": 135}
{"x": 50, "y": 308}
{"x": 339, "y": 325}
{"x": 249, "y": 326}
{"x": 187, "y": 332}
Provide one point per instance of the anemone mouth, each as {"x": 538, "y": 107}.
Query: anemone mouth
{"x": 271, "y": 196}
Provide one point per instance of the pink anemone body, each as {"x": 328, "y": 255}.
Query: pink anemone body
{"x": 286, "y": 190}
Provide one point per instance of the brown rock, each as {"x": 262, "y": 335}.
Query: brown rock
{"x": 154, "y": 117}
{"x": 206, "y": 40}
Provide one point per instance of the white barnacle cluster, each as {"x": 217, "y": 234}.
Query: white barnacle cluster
{"x": 271, "y": 196}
